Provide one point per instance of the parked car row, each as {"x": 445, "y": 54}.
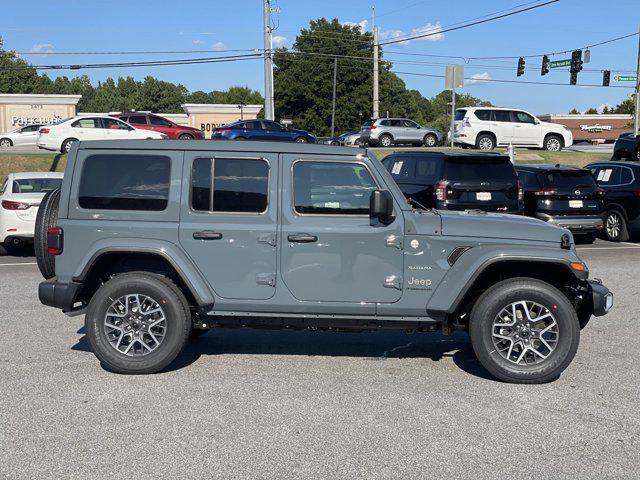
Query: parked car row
{"x": 603, "y": 198}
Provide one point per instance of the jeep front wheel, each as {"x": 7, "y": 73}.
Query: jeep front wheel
{"x": 524, "y": 331}
{"x": 138, "y": 323}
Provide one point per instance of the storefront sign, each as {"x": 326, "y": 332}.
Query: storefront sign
{"x": 595, "y": 128}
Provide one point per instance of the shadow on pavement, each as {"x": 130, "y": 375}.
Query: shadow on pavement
{"x": 378, "y": 346}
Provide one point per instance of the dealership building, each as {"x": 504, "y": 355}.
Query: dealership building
{"x": 17, "y": 110}
{"x": 596, "y": 128}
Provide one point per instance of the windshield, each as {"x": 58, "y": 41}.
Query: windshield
{"x": 568, "y": 179}
{"x": 36, "y": 185}
{"x": 460, "y": 114}
{"x": 479, "y": 169}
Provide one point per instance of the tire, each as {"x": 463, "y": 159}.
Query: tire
{"x": 430, "y": 140}
{"x": 163, "y": 295}
{"x": 553, "y": 143}
{"x": 66, "y": 145}
{"x": 615, "y": 227}
{"x": 3, "y": 250}
{"x": 185, "y": 136}
{"x": 239, "y": 138}
{"x": 301, "y": 140}
{"x": 385, "y": 140}
{"x": 6, "y": 142}
{"x": 485, "y": 142}
{"x": 541, "y": 298}
{"x": 46, "y": 218}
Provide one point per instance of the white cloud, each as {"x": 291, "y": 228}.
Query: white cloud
{"x": 42, "y": 48}
{"x": 279, "y": 41}
{"x": 218, "y": 46}
{"x": 362, "y": 24}
{"x": 198, "y": 42}
{"x": 435, "y": 31}
{"x": 479, "y": 78}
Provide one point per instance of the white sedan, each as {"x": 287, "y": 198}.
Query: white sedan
{"x": 60, "y": 136}
{"x": 20, "y": 198}
{"x": 27, "y": 135}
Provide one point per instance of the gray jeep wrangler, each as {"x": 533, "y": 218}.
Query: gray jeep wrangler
{"x": 157, "y": 240}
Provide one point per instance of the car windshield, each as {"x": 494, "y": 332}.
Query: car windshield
{"x": 568, "y": 179}
{"x": 479, "y": 169}
{"x": 36, "y": 185}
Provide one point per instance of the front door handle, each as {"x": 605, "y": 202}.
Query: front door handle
{"x": 207, "y": 235}
{"x": 302, "y": 238}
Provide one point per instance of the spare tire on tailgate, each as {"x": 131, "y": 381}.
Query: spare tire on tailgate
{"x": 47, "y": 217}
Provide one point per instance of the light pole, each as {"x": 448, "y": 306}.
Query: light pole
{"x": 241, "y": 107}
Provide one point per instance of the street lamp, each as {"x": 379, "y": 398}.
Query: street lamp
{"x": 241, "y": 106}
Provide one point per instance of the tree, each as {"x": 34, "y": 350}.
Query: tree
{"x": 574, "y": 111}
{"x": 591, "y": 111}
{"x": 626, "y": 106}
{"x": 16, "y": 75}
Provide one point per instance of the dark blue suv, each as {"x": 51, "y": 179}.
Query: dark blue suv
{"x": 261, "y": 130}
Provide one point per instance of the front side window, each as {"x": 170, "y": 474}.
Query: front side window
{"x": 332, "y": 188}
{"x": 522, "y": 117}
{"x": 87, "y": 123}
{"x": 230, "y": 185}
{"x": 159, "y": 122}
{"x": 113, "y": 124}
{"x": 410, "y": 124}
{"x": 273, "y": 126}
{"x": 125, "y": 182}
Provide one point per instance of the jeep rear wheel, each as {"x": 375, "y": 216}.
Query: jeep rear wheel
{"x": 138, "y": 323}
{"x": 46, "y": 218}
{"x": 524, "y": 331}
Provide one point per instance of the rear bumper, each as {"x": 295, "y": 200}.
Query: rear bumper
{"x": 59, "y": 294}
{"x": 575, "y": 223}
{"x": 602, "y": 298}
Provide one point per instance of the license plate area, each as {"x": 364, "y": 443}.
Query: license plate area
{"x": 576, "y": 204}
{"x": 483, "y": 196}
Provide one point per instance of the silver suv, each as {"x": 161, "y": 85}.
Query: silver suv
{"x": 393, "y": 131}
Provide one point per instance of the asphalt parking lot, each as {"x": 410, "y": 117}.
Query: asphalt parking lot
{"x": 262, "y": 404}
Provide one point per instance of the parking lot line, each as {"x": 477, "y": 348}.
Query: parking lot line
{"x": 17, "y": 263}
{"x": 622, "y": 247}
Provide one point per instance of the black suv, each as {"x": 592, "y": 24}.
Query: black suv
{"x": 457, "y": 181}
{"x": 621, "y": 184}
{"x": 627, "y": 147}
{"x": 565, "y": 196}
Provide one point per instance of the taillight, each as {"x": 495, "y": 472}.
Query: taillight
{"x": 600, "y": 192}
{"x": 546, "y": 191}
{"x": 44, "y": 130}
{"x": 9, "y": 205}
{"x": 636, "y": 193}
{"x": 520, "y": 191}
{"x": 441, "y": 190}
{"x": 226, "y": 130}
{"x": 54, "y": 240}
{"x": 372, "y": 127}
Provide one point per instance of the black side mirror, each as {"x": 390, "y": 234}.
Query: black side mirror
{"x": 381, "y": 207}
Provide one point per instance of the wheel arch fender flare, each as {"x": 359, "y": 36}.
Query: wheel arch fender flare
{"x": 167, "y": 251}
{"x": 463, "y": 277}
{"x": 618, "y": 208}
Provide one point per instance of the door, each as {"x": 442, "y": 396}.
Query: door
{"x": 502, "y": 126}
{"x": 117, "y": 130}
{"x": 413, "y": 131}
{"x": 87, "y": 129}
{"x": 276, "y": 132}
{"x": 28, "y": 135}
{"x": 329, "y": 250}
{"x": 228, "y": 224}
{"x": 525, "y": 129}
{"x": 159, "y": 124}
{"x": 252, "y": 130}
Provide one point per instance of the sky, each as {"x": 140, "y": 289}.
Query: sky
{"x": 49, "y": 26}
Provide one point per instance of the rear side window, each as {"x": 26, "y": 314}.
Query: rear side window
{"x": 568, "y": 179}
{"x": 460, "y": 114}
{"x": 332, "y": 188}
{"x": 608, "y": 176}
{"x": 626, "y": 176}
{"x": 479, "y": 169}
{"x": 36, "y": 185}
{"x": 483, "y": 114}
{"x": 401, "y": 168}
{"x": 125, "y": 182}
{"x": 229, "y": 185}
{"x": 427, "y": 170}
{"x": 502, "y": 115}
{"x": 87, "y": 123}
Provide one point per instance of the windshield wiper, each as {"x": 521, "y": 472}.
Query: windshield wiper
{"x": 417, "y": 203}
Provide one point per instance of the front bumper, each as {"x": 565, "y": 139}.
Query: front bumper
{"x": 602, "y": 298}
{"x": 575, "y": 223}
{"x": 59, "y": 294}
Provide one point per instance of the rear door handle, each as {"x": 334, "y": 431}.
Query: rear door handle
{"x": 302, "y": 238}
{"x": 207, "y": 235}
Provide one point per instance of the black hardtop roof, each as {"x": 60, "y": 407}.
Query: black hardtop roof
{"x": 221, "y": 146}
{"x": 632, "y": 164}
{"x": 448, "y": 155}
{"x": 543, "y": 167}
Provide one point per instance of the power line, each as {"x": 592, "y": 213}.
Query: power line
{"x": 142, "y": 52}
{"x": 466, "y": 25}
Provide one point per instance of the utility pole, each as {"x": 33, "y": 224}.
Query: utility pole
{"x": 453, "y": 111}
{"x": 268, "y": 62}
{"x": 636, "y": 117}
{"x": 333, "y": 103}
{"x": 376, "y": 99}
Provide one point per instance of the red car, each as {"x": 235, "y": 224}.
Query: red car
{"x": 149, "y": 121}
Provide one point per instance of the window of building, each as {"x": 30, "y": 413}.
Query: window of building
{"x": 234, "y": 185}
{"x": 125, "y": 182}
{"x": 332, "y": 188}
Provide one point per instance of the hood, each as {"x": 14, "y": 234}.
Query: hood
{"x": 301, "y": 132}
{"x": 479, "y": 225}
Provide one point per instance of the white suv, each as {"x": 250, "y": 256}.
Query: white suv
{"x": 487, "y": 127}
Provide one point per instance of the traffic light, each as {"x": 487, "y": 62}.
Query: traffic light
{"x": 520, "y": 66}
{"x": 576, "y": 66}
{"x": 545, "y": 65}
{"x": 606, "y": 78}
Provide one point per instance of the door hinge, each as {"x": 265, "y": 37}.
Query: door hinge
{"x": 394, "y": 241}
{"x": 393, "y": 281}
{"x": 268, "y": 238}
{"x": 266, "y": 279}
